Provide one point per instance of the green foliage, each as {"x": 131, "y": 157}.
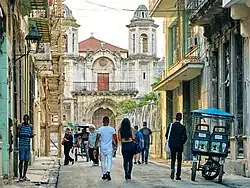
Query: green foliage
{"x": 129, "y": 105}
{"x": 158, "y": 80}
{"x": 69, "y": 125}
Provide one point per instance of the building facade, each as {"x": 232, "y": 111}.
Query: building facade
{"x": 18, "y": 72}
{"x": 218, "y": 71}
{"x": 94, "y": 83}
{"x": 182, "y": 85}
{"x": 100, "y": 74}
{"x": 240, "y": 10}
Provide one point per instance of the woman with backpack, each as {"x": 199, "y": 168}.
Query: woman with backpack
{"x": 126, "y": 136}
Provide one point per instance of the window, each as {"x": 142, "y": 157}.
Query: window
{"x": 73, "y": 42}
{"x": 133, "y": 43}
{"x": 143, "y": 14}
{"x": 64, "y": 117}
{"x": 144, "y": 43}
{"x": 66, "y": 44}
{"x": 175, "y": 41}
{"x": 153, "y": 44}
{"x": 144, "y": 76}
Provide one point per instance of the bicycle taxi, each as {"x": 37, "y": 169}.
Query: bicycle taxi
{"x": 210, "y": 141}
{"x": 81, "y": 141}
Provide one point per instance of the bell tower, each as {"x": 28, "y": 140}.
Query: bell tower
{"x": 142, "y": 33}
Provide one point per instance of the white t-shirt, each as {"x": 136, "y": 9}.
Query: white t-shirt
{"x": 106, "y": 133}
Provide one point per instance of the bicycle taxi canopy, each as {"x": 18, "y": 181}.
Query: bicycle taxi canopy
{"x": 212, "y": 113}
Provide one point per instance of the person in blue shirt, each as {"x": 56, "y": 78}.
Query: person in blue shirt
{"x": 91, "y": 145}
{"x": 139, "y": 143}
{"x": 25, "y": 133}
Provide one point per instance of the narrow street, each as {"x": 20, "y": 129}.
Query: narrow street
{"x": 83, "y": 175}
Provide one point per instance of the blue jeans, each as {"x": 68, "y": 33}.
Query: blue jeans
{"x": 145, "y": 153}
{"x": 24, "y": 154}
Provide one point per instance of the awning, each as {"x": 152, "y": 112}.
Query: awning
{"x": 43, "y": 28}
{"x": 182, "y": 72}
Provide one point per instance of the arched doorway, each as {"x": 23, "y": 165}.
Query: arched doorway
{"x": 99, "y": 114}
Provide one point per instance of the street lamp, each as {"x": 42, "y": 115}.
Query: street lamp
{"x": 34, "y": 37}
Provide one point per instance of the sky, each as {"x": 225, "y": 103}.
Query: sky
{"x": 109, "y": 24}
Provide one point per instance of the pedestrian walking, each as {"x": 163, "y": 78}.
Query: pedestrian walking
{"x": 176, "y": 137}
{"x": 25, "y": 133}
{"x": 115, "y": 145}
{"x": 139, "y": 145}
{"x": 91, "y": 145}
{"x": 126, "y": 136}
{"x": 68, "y": 144}
{"x": 147, "y": 137}
{"x": 104, "y": 138}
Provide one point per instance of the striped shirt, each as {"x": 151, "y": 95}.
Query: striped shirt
{"x": 25, "y": 132}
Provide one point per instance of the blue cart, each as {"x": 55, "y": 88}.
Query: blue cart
{"x": 210, "y": 140}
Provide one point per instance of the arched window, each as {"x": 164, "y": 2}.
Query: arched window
{"x": 144, "y": 43}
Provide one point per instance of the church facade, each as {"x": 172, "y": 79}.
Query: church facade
{"x": 100, "y": 75}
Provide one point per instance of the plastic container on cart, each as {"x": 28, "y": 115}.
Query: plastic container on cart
{"x": 201, "y": 140}
{"x": 219, "y": 142}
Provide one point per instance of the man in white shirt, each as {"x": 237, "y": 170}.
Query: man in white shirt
{"x": 104, "y": 137}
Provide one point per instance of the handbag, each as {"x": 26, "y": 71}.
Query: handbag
{"x": 167, "y": 149}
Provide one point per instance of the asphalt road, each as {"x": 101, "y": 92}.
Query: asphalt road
{"x": 83, "y": 175}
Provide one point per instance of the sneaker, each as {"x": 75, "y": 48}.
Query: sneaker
{"x": 135, "y": 162}
{"x": 108, "y": 176}
{"x": 146, "y": 162}
{"x": 172, "y": 174}
{"x": 104, "y": 176}
{"x": 139, "y": 162}
{"x": 178, "y": 178}
{"x": 21, "y": 179}
{"x": 26, "y": 179}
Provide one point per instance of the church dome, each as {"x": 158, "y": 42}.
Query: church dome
{"x": 141, "y": 13}
{"x": 67, "y": 12}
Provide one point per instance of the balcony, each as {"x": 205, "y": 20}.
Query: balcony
{"x": 111, "y": 87}
{"x": 162, "y": 8}
{"x": 39, "y": 15}
{"x": 187, "y": 69}
{"x": 203, "y": 11}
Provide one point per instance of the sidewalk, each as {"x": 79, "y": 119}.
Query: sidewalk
{"x": 228, "y": 179}
{"x": 42, "y": 173}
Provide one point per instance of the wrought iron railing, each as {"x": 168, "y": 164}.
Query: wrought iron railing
{"x": 104, "y": 86}
{"x": 195, "y": 4}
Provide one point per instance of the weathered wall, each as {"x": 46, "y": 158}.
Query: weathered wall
{"x": 150, "y": 113}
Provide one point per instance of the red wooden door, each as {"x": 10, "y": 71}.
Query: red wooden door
{"x": 103, "y": 81}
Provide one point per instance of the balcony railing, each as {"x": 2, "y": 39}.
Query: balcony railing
{"x": 195, "y": 4}
{"x": 104, "y": 87}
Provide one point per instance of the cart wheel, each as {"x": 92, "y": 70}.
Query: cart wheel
{"x": 221, "y": 172}
{"x": 210, "y": 170}
{"x": 194, "y": 168}
{"x": 76, "y": 154}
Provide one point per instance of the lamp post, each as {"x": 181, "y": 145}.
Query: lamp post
{"x": 34, "y": 37}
